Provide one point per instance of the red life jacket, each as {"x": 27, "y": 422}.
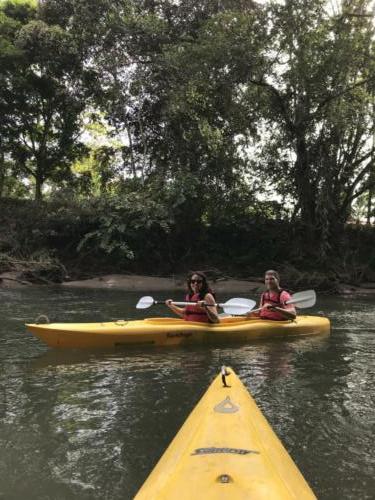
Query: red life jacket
{"x": 266, "y": 297}
{"x": 272, "y": 315}
{"x": 193, "y": 312}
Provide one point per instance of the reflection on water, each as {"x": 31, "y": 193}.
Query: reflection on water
{"x": 92, "y": 424}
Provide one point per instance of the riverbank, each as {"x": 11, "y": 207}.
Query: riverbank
{"x": 155, "y": 283}
{"x": 140, "y": 283}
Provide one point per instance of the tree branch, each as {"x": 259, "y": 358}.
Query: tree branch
{"x": 276, "y": 93}
{"x": 332, "y": 97}
{"x": 350, "y": 195}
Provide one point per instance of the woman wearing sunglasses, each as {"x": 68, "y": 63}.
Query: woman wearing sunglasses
{"x": 204, "y": 311}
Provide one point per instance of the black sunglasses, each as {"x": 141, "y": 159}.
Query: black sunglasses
{"x": 196, "y": 281}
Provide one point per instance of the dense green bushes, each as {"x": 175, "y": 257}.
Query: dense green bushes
{"x": 131, "y": 234}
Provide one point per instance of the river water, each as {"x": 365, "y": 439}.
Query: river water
{"x": 91, "y": 425}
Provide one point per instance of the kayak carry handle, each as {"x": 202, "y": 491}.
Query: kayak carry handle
{"x": 42, "y": 319}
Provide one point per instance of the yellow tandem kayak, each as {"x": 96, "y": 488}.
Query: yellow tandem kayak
{"x": 170, "y": 331}
{"x": 225, "y": 450}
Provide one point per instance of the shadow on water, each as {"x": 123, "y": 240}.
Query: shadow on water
{"x": 55, "y": 357}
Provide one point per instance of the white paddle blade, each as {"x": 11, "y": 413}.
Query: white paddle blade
{"x": 145, "y": 302}
{"x": 238, "y": 306}
{"x": 303, "y": 299}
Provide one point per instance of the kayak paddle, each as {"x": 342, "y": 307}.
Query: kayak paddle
{"x": 236, "y": 306}
{"x": 300, "y": 299}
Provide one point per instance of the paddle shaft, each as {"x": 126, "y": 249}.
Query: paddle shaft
{"x": 190, "y": 304}
{"x": 236, "y": 306}
{"x": 291, "y": 301}
{"x": 224, "y": 306}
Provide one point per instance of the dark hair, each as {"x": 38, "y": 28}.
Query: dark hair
{"x": 273, "y": 273}
{"x": 205, "y": 286}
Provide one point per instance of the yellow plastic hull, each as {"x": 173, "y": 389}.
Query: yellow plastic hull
{"x": 226, "y": 450}
{"x": 169, "y": 331}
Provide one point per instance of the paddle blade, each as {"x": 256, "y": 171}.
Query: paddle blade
{"x": 303, "y": 299}
{"x": 145, "y": 302}
{"x": 238, "y": 306}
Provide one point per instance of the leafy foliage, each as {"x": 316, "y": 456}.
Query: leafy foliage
{"x": 121, "y": 225}
{"x": 41, "y": 100}
{"x": 207, "y": 115}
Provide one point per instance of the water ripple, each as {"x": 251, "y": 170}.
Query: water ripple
{"x": 84, "y": 425}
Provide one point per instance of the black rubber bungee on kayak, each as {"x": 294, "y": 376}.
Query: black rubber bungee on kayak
{"x": 42, "y": 319}
{"x": 224, "y": 374}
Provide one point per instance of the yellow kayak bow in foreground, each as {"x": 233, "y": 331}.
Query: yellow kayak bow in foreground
{"x": 171, "y": 331}
{"x": 225, "y": 450}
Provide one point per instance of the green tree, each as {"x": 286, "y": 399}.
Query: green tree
{"x": 41, "y": 98}
{"x": 294, "y": 81}
{"x": 177, "y": 107}
{"x": 316, "y": 86}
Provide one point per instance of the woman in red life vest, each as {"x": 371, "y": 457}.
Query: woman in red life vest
{"x": 198, "y": 291}
{"x": 273, "y": 300}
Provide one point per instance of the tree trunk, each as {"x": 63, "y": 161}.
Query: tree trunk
{"x": 38, "y": 189}
{"x": 132, "y": 160}
{"x": 2, "y": 173}
{"x": 369, "y": 205}
{"x": 305, "y": 191}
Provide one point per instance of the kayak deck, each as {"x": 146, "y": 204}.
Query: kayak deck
{"x": 226, "y": 450}
{"x": 171, "y": 331}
